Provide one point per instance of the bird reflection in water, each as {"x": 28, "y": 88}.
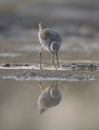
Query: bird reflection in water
{"x": 49, "y": 97}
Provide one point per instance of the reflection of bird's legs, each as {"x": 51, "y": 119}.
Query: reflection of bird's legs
{"x": 54, "y": 84}
{"x": 40, "y": 85}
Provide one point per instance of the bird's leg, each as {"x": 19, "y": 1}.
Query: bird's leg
{"x": 40, "y": 86}
{"x": 40, "y": 53}
{"x": 57, "y": 59}
{"x": 53, "y": 57}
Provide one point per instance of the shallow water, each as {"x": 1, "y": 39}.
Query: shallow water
{"x": 22, "y": 83}
{"x": 78, "y": 109}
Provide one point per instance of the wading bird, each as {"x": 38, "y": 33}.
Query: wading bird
{"x": 51, "y": 41}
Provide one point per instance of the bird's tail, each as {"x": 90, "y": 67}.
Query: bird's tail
{"x": 55, "y": 46}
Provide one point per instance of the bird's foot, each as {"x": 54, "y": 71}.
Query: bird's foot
{"x": 41, "y": 68}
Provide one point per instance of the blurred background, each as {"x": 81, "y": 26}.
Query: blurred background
{"x": 76, "y": 20}
{"x": 71, "y": 17}
{"x": 78, "y": 23}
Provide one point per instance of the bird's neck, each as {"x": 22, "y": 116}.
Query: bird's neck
{"x": 41, "y": 27}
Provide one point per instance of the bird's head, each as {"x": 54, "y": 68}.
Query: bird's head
{"x": 41, "y": 26}
{"x": 42, "y": 109}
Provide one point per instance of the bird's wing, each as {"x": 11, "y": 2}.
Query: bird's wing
{"x": 51, "y": 35}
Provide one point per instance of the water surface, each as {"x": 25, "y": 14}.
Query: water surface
{"x": 78, "y": 109}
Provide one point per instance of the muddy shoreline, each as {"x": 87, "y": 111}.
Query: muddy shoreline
{"x": 69, "y": 72}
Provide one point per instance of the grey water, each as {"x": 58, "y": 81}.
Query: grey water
{"x": 78, "y": 108}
